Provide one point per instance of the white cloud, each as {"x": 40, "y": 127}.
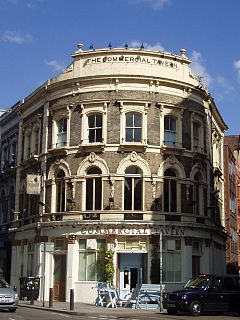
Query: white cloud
{"x": 16, "y": 37}
{"x": 137, "y": 44}
{"x": 54, "y": 64}
{"x": 199, "y": 69}
{"x": 155, "y": 4}
{"x": 223, "y": 83}
{"x": 236, "y": 65}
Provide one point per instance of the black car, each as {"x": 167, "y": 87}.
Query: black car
{"x": 205, "y": 293}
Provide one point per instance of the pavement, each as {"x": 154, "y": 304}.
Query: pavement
{"x": 81, "y": 308}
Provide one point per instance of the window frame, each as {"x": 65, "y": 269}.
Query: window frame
{"x": 137, "y": 107}
{"x": 133, "y": 176}
{"x": 93, "y": 108}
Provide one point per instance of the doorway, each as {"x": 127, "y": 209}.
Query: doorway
{"x": 130, "y": 272}
{"x": 59, "y": 288}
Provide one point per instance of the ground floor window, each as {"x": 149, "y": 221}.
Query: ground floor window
{"x": 88, "y": 254}
{"x": 171, "y": 260}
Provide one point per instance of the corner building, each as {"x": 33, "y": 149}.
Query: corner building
{"x": 126, "y": 145}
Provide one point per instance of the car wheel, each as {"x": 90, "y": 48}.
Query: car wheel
{"x": 171, "y": 311}
{"x": 12, "y": 309}
{"x": 195, "y": 308}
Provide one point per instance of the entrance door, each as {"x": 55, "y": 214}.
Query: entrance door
{"x": 59, "y": 277}
{"x": 130, "y": 272}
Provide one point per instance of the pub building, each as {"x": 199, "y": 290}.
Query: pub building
{"x": 121, "y": 151}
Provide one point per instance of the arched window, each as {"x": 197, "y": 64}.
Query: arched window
{"x": 133, "y": 127}
{"x": 60, "y": 191}
{"x": 95, "y": 128}
{"x": 61, "y": 133}
{"x": 94, "y": 189}
{"x": 133, "y": 188}
{"x": 170, "y": 191}
{"x": 170, "y": 131}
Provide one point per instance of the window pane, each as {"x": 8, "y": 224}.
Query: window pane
{"x": 137, "y": 194}
{"x": 98, "y": 120}
{"x": 89, "y": 194}
{"x": 91, "y": 121}
{"x": 173, "y": 193}
{"x": 166, "y": 123}
{"x": 129, "y": 120}
{"x": 137, "y": 120}
{"x": 82, "y": 266}
{"x": 91, "y": 266}
{"x": 133, "y": 170}
{"x": 98, "y": 193}
{"x": 177, "y": 267}
{"x": 137, "y": 135}
{"x": 172, "y": 124}
{"x": 82, "y": 244}
{"x": 129, "y": 135}
{"x": 99, "y": 135}
{"x": 128, "y": 194}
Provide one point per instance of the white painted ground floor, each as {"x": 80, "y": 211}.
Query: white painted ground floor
{"x": 65, "y": 256}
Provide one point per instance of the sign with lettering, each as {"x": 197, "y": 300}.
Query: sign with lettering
{"x": 133, "y": 59}
{"x": 125, "y": 230}
{"x": 33, "y": 184}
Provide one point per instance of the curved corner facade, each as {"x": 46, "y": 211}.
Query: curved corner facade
{"x": 124, "y": 148}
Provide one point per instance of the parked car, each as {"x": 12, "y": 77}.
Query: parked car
{"x": 8, "y": 297}
{"x": 205, "y": 293}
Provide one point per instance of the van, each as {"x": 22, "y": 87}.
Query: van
{"x": 205, "y": 293}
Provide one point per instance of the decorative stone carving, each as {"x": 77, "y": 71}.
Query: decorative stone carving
{"x": 71, "y": 238}
{"x": 92, "y": 157}
{"x": 134, "y": 156}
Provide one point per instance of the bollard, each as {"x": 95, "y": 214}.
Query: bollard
{"x": 50, "y": 297}
{"x": 71, "y": 299}
{"x": 32, "y": 295}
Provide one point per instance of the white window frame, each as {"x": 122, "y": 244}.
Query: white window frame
{"x": 57, "y": 116}
{"x": 140, "y": 107}
{"x": 168, "y": 110}
{"x": 91, "y": 108}
{"x": 197, "y": 119}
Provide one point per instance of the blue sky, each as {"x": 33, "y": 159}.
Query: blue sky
{"x": 37, "y": 38}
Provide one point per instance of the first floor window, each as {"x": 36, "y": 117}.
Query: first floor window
{"x": 94, "y": 189}
{"x": 170, "y": 191}
{"x": 133, "y": 127}
{"x": 133, "y": 189}
{"x": 95, "y": 128}
{"x": 61, "y": 133}
{"x": 172, "y": 260}
{"x": 170, "y": 131}
{"x": 60, "y": 192}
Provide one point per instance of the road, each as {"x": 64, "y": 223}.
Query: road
{"x": 30, "y": 314}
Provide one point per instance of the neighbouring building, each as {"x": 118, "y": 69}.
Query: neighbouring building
{"x": 124, "y": 148}
{"x": 232, "y": 201}
{"x": 8, "y": 151}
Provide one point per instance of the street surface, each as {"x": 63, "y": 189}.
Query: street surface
{"x": 30, "y": 314}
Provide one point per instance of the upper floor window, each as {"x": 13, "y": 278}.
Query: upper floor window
{"x": 94, "y": 189}
{"x": 35, "y": 140}
{"x": 170, "y": 191}
{"x": 133, "y": 188}
{"x": 61, "y": 133}
{"x": 170, "y": 131}
{"x": 133, "y": 127}
{"x": 197, "y": 136}
{"x": 60, "y": 192}
{"x": 133, "y": 123}
{"x": 4, "y": 161}
{"x": 95, "y": 128}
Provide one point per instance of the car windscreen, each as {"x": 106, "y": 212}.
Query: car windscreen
{"x": 4, "y": 284}
{"x": 198, "y": 282}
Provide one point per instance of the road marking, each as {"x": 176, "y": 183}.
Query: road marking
{"x": 61, "y": 314}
